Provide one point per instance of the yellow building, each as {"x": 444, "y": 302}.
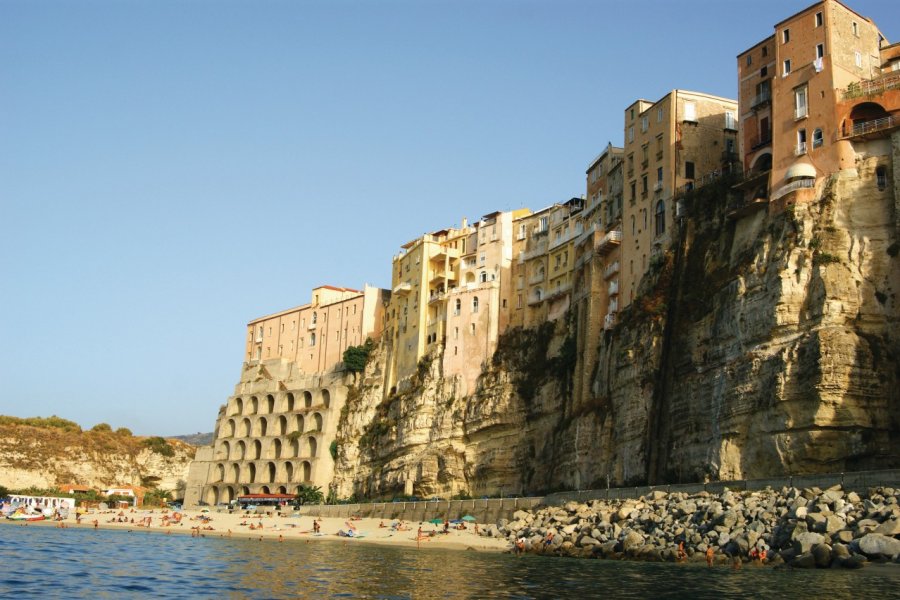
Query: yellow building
{"x": 680, "y": 141}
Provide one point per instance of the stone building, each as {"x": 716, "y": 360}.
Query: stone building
{"x": 812, "y": 97}
{"x": 671, "y": 145}
{"x": 275, "y": 432}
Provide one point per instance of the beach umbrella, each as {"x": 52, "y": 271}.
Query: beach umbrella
{"x": 468, "y": 518}
{"x": 436, "y": 521}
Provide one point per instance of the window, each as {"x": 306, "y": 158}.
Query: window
{"x": 315, "y": 318}
{"x": 633, "y": 192}
{"x": 690, "y": 111}
{"x": 730, "y": 120}
{"x": 854, "y": 28}
{"x": 258, "y": 352}
{"x": 659, "y": 174}
{"x": 801, "y": 108}
{"x": 632, "y": 114}
{"x": 645, "y": 152}
{"x": 820, "y": 50}
{"x": 503, "y": 303}
{"x": 483, "y": 277}
{"x": 801, "y": 141}
{"x": 643, "y": 184}
{"x": 519, "y": 301}
{"x": 881, "y": 178}
{"x": 857, "y": 58}
{"x": 521, "y": 231}
{"x": 689, "y": 170}
{"x": 458, "y": 307}
{"x": 475, "y": 304}
{"x": 472, "y": 328}
{"x": 660, "y": 218}
{"x": 785, "y": 36}
{"x": 312, "y": 339}
{"x": 817, "y": 138}
{"x": 765, "y": 50}
{"x": 543, "y": 224}
{"x": 631, "y": 133}
{"x": 763, "y": 72}
{"x": 633, "y": 228}
{"x": 749, "y": 60}
{"x": 659, "y": 114}
{"x": 644, "y": 123}
{"x": 818, "y": 19}
{"x": 787, "y": 68}
{"x": 644, "y": 213}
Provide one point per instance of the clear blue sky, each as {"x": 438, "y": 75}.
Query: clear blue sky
{"x": 172, "y": 170}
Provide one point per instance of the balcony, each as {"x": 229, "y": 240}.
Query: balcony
{"x": 536, "y": 278}
{"x": 801, "y": 113}
{"x": 437, "y": 297}
{"x": 800, "y": 149}
{"x": 611, "y": 269}
{"x": 609, "y": 241}
{"x": 761, "y": 98}
{"x": 534, "y": 299}
{"x": 659, "y": 155}
{"x": 658, "y": 186}
{"x": 443, "y": 252}
{"x": 730, "y": 157}
{"x": 873, "y": 128}
{"x": 609, "y": 321}
{"x": 613, "y": 289}
{"x": 644, "y": 164}
{"x": 558, "y": 291}
{"x": 613, "y": 306}
{"x": 873, "y": 87}
{"x": 761, "y": 140}
{"x": 402, "y": 289}
{"x": 441, "y": 275}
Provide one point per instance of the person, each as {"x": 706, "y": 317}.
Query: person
{"x": 520, "y": 546}
{"x": 381, "y": 525}
{"x": 736, "y": 562}
{"x": 710, "y": 553}
{"x": 548, "y": 540}
{"x": 316, "y": 526}
{"x": 446, "y": 525}
{"x": 682, "y": 555}
{"x": 762, "y": 555}
{"x": 476, "y": 529}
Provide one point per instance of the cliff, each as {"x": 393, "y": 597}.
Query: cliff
{"x": 45, "y": 456}
{"x": 763, "y": 343}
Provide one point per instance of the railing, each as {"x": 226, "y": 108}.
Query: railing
{"x": 873, "y": 87}
{"x": 611, "y": 270}
{"x": 610, "y": 239}
{"x": 729, "y": 157}
{"x": 535, "y": 299}
{"x": 762, "y": 98}
{"x": 437, "y": 297}
{"x": 657, "y": 186}
{"x": 867, "y": 127}
{"x": 732, "y": 169}
{"x": 614, "y": 287}
{"x": 402, "y": 288}
{"x": 762, "y": 140}
{"x": 539, "y": 277}
{"x": 609, "y": 321}
{"x": 800, "y": 113}
{"x": 800, "y": 149}
{"x": 558, "y": 291}
{"x": 613, "y": 306}
{"x": 808, "y": 182}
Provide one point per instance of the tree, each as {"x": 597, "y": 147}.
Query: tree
{"x": 101, "y": 427}
{"x": 123, "y": 431}
{"x": 356, "y": 357}
{"x": 160, "y": 446}
{"x": 3, "y": 492}
{"x": 309, "y": 494}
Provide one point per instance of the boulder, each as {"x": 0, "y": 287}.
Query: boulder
{"x": 804, "y": 561}
{"x": 845, "y": 536}
{"x": 889, "y": 527}
{"x": 800, "y": 512}
{"x": 834, "y": 524}
{"x": 876, "y": 544}
{"x": 588, "y": 541}
{"x": 822, "y": 553}
{"x": 632, "y": 540}
{"x": 656, "y": 495}
{"x": 856, "y": 561}
{"x": 804, "y": 542}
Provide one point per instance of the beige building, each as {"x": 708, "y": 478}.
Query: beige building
{"x": 672, "y": 145}
{"x": 596, "y": 269}
{"x": 812, "y": 96}
{"x": 275, "y": 432}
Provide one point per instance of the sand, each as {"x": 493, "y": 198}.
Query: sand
{"x": 284, "y": 529}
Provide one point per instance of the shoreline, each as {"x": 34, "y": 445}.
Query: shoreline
{"x": 278, "y": 529}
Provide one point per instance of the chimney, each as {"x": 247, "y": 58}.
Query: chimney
{"x": 465, "y": 223}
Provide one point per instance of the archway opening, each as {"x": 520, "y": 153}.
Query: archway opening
{"x": 270, "y": 404}
{"x": 317, "y": 421}
{"x": 220, "y": 473}
{"x": 212, "y": 496}
{"x": 312, "y": 446}
{"x": 326, "y": 398}
{"x": 307, "y": 399}
{"x": 307, "y": 471}
{"x": 257, "y": 449}
{"x": 251, "y": 473}
{"x": 289, "y": 471}
{"x": 241, "y": 450}
{"x": 290, "y": 402}
{"x": 282, "y": 426}
{"x": 270, "y": 472}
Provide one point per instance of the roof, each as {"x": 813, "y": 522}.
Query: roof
{"x": 336, "y": 289}
{"x": 266, "y": 497}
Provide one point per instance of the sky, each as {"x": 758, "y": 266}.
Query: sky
{"x": 170, "y": 171}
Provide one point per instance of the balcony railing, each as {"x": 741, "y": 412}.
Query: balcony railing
{"x": 800, "y": 113}
{"x": 611, "y": 269}
{"x": 609, "y": 241}
{"x": 613, "y": 306}
{"x": 762, "y": 140}
{"x": 873, "y": 87}
{"x": 874, "y": 126}
{"x": 800, "y": 149}
{"x": 537, "y": 278}
{"x": 402, "y": 289}
{"x": 609, "y": 321}
{"x": 794, "y": 186}
{"x": 762, "y": 98}
{"x": 613, "y": 287}
{"x": 657, "y": 186}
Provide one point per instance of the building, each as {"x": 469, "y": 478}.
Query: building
{"x": 812, "y": 95}
{"x": 275, "y": 433}
{"x": 596, "y": 270}
{"x": 673, "y": 145}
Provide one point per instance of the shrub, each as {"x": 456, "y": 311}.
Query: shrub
{"x": 124, "y": 431}
{"x": 101, "y": 427}
{"x": 333, "y": 449}
{"x": 309, "y": 494}
{"x": 160, "y": 446}
{"x": 356, "y": 357}
{"x": 823, "y": 258}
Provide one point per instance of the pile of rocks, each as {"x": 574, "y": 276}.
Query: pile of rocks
{"x": 805, "y": 528}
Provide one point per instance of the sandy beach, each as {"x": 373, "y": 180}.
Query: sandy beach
{"x": 280, "y": 529}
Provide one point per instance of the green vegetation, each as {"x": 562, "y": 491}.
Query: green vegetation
{"x": 3, "y": 492}
{"x": 160, "y": 446}
{"x": 103, "y": 427}
{"x": 309, "y": 494}
{"x": 823, "y": 258}
{"x": 294, "y": 435}
{"x": 123, "y": 431}
{"x": 42, "y": 422}
{"x": 333, "y": 449}
{"x": 356, "y": 357}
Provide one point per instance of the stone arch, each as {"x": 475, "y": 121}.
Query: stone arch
{"x": 234, "y": 473}
{"x": 261, "y": 427}
{"x": 275, "y": 449}
{"x": 251, "y": 473}
{"x": 270, "y": 403}
{"x": 253, "y": 406}
{"x": 326, "y": 398}
{"x": 212, "y": 496}
{"x": 245, "y": 490}
{"x": 761, "y": 163}
{"x": 270, "y": 472}
{"x": 307, "y": 399}
{"x": 295, "y": 446}
{"x": 245, "y": 428}
{"x": 306, "y": 470}
{"x": 223, "y": 449}
{"x": 289, "y": 402}
{"x": 240, "y": 450}
{"x": 230, "y": 428}
{"x": 257, "y": 450}
{"x": 300, "y": 421}
{"x": 281, "y": 426}
{"x": 312, "y": 444}
{"x": 317, "y": 422}
{"x": 288, "y": 471}
{"x": 237, "y": 406}
{"x": 219, "y": 473}
{"x": 264, "y": 490}
{"x": 282, "y": 489}
{"x": 227, "y": 494}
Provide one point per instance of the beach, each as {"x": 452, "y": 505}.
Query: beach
{"x": 278, "y": 529}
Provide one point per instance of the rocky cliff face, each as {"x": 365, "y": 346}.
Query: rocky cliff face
{"x": 761, "y": 345}
{"x": 47, "y": 457}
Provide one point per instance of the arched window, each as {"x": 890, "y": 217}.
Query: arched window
{"x": 660, "y": 217}
{"x": 475, "y": 304}
{"x": 539, "y": 293}
{"x": 818, "y": 140}
{"x": 483, "y": 277}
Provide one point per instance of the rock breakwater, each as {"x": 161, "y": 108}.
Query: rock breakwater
{"x": 804, "y": 528}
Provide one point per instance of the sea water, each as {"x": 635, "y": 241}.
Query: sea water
{"x": 45, "y": 562}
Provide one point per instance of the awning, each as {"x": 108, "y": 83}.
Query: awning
{"x": 800, "y": 170}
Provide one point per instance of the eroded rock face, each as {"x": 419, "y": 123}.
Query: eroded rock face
{"x": 763, "y": 346}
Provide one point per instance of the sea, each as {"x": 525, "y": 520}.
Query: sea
{"x": 45, "y": 562}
